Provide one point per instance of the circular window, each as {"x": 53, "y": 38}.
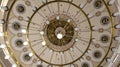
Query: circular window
{"x": 16, "y": 26}
{"x": 98, "y": 4}
{"x": 105, "y": 20}
{"x": 20, "y": 8}
{"x": 19, "y": 43}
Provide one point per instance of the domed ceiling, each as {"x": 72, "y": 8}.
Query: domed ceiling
{"x": 59, "y": 33}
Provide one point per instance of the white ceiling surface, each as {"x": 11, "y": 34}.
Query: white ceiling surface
{"x": 116, "y": 56}
{"x": 119, "y": 46}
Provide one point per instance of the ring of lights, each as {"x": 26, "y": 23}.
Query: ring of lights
{"x": 53, "y": 42}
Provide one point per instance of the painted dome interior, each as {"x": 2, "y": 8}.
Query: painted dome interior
{"x": 59, "y": 33}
